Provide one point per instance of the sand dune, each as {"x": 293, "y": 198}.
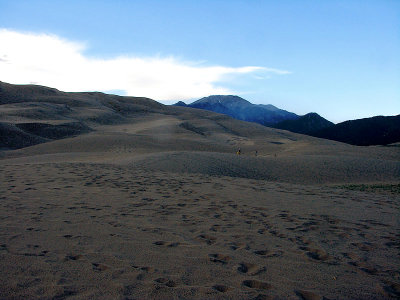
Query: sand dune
{"x": 152, "y": 202}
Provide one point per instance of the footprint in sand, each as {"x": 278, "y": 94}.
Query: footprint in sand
{"x": 255, "y": 284}
{"x": 364, "y": 266}
{"x": 219, "y": 258}
{"x": 307, "y": 295}
{"x": 148, "y": 269}
{"x": 99, "y": 267}
{"x": 267, "y": 253}
{"x": 263, "y": 297}
{"x": 144, "y": 271}
{"x": 215, "y": 228}
{"x": 73, "y": 257}
{"x": 160, "y": 243}
{"x": 236, "y": 246}
{"x": 167, "y": 244}
{"x": 364, "y": 246}
{"x": 207, "y": 238}
{"x": 3, "y": 247}
{"x": 250, "y": 269}
{"x": 277, "y": 234}
{"x": 221, "y": 288}
{"x": 392, "y": 288}
{"x": 166, "y": 282}
{"x": 317, "y": 254}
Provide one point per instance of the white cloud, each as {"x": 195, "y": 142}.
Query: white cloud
{"x": 52, "y": 61}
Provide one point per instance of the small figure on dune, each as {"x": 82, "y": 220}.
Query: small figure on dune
{"x": 256, "y": 153}
{"x": 239, "y": 152}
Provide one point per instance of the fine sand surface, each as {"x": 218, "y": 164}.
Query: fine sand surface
{"x": 81, "y": 230}
{"x": 156, "y": 205}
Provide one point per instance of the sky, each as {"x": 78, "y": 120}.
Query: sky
{"x": 340, "y": 59}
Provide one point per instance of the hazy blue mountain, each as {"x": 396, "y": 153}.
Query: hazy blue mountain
{"x": 307, "y": 124}
{"x": 242, "y": 109}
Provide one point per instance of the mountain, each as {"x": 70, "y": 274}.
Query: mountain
{"x": 242, "y": 109}
{"x": 363, "y": 132}
{"x": 180, "y": 103}
{"x": 307, "y": 124}
{"x": 377, "y": 130}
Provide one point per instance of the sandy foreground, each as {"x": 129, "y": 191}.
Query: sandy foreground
{"x": 82, "y": 230}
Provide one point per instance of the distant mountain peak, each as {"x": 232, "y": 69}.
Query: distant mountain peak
{"x": 222, "y": 99}
{"x": 241, "y": 109}
{"x": 312, "y": 114}
{"x": 180, "y": 103}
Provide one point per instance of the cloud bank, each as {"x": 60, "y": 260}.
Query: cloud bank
{"x": 29, "y": 58}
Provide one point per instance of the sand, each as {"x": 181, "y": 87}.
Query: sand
{"x": 159, "y": 206}
{"x": 79, "y": 230}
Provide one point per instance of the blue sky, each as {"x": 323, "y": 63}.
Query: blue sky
{"x": 338, "y": 58}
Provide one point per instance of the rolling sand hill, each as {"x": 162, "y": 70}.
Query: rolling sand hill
{"x": 120, "y": 197}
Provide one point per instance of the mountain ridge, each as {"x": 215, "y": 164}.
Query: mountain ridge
{"x": 377, "y": 130}
{"x": 241, "y": 109}
{"x": 307, "y": 124}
